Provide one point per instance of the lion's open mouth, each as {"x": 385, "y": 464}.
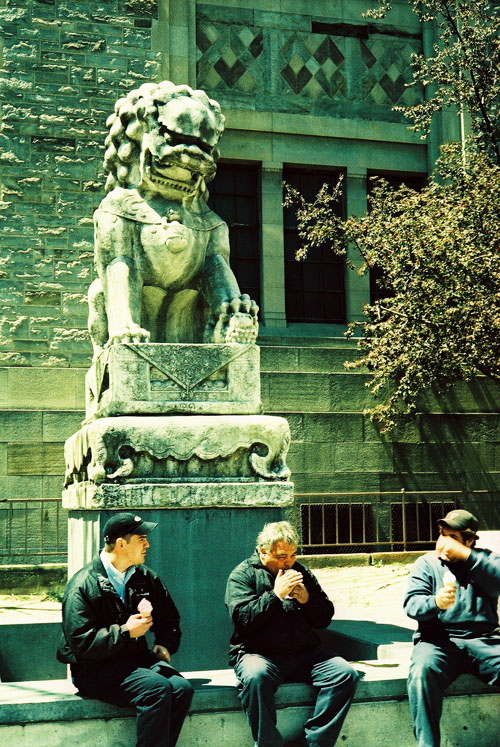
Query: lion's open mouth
{"x": 161, "y": 181}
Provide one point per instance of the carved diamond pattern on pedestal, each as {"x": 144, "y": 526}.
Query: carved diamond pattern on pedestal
{"x": 388, "y": 70}
{"x": 229, "y": 57}
{"x": 312, "y": 65}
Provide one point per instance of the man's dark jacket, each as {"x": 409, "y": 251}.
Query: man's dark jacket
{"x": 265, "y": 624}
{"x": 95, "y": 641}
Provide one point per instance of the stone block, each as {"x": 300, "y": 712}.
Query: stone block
{"x": 20, "y": 426}
{"x": 296, "y": 423}
{"x": 297, "y": 392}
{"x": 40, "y": 388}
{"x": 35, "y": 459}
{"x": 321, "y": 359}
{"x": 58, "y": 426}
{"x": 407, "y": 432}
{"x": 3, "y": 459}
{"x": 442, "y": 458}
{"x": 51, "y": 486}
{"x": 352, "y": 457}
{"x": 337, "y": 482}
{"x": 480, "y": 395}
{"x": 4, "y": 395}
{"x": 278, "y": 358}
{"x": 348, "y": 392}
{"x": 25, "y": 487}
{"x": 333, "y": 427}
{"x": 460, "y": 427}
{"x": 147, "y": 378}
{"x": 314, "y": 458}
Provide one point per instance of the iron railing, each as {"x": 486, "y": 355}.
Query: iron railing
{"x": 384, "y": 521}
{"x": 33, "y": 530}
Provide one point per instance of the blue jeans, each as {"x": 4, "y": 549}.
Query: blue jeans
{"x": 261, "y": 676}
{"x": 160, "y": 694}
{"x": 436, "y": 665}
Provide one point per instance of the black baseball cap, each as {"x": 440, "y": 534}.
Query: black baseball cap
{"x": 124, "y": 523}
{"x": 461, "y": 520}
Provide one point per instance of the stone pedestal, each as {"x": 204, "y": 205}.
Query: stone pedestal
{"x": 204, "y": 530}
{"x": 174, "y": 433}
{"x": 153, "y": 379}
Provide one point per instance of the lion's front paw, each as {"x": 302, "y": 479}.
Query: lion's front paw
{"x": 234, "y": 322}
{"x": 129, "y": 333}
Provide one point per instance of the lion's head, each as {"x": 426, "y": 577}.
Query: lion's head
{"x": 162, "y": 139}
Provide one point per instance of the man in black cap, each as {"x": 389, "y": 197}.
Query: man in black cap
{"x": 108, "y": 607}
{"x": 453, "y": 593}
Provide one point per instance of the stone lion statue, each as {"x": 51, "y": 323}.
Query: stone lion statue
{"x": 162, "y": 256}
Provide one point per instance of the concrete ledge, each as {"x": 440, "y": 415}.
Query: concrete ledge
{"x": 217, "y": 690}
{"x": 32, "y": 578}
{"x": 51, "y": 714}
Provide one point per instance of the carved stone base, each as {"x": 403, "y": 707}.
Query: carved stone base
{"x": 149, "y": 379}
{"x": 87, "y": 495}
{"x": 177, "y": 448}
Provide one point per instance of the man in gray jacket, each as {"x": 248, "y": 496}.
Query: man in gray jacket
{"x": 453, "y": 593}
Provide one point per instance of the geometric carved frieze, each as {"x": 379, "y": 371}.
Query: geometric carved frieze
{"x": 278, "y": 68}
{"x": 179, "y": 448}
{"x": 155, "y": 378}
{"x": 229, "y": 56}
{"x": 388, "y": 71}
{"x": 313, "y": 65}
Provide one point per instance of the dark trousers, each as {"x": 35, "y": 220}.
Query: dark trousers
{"x": 261, "y": 676}
{"x": 434, "y": 666}
{"x": 160, "y": 694}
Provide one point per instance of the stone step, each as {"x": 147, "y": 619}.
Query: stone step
{"x": 51, "y": 714}
{"x": 305, "y": 359}
{"x": 348, "y": 392}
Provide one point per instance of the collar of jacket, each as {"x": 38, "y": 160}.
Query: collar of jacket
{"x": 102, "y": 576}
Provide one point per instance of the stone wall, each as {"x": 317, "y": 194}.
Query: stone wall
{"x": 64, "y": 65}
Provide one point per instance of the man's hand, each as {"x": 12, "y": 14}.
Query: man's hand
{"x": 138, "y": 625}
{"x": 450, "y": 549}
{"x": 300, "y": 593}
{"x": 445, "y": 597}
{"x": 285, "y": 582}
{"x": 162, "y": 653}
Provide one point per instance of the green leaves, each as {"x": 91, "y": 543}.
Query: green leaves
{"x": 439, "y": 251}
{"x": 438, "y": 319}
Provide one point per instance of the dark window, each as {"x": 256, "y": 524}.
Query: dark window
{"x": 314, "y": 288}
{"x": 414, "y": 181}
{"x": 234, "y": 196}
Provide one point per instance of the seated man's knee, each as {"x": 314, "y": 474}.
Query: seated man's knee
{"x": 159, "y": 691}
{"x": 185, "y": 691}
{"x": 340, "y": 673}
{"x": 425, "y": 666}
{"x": 256, "y": 674}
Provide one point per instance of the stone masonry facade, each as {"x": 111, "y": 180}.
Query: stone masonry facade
{"x": 64, "y": 66}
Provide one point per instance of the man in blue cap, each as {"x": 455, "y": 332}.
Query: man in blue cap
{"x": 108, "y": 607}
{"x": 453, "y": 593}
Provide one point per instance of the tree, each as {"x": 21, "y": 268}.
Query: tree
{"x": 438, "y": 319}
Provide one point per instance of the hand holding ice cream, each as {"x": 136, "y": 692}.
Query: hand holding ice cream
{"x": 447, "y": 594}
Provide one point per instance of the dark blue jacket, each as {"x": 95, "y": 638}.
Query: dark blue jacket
{"x": 265, "y": 624}
{"x": 95, "y": 639}
{"x": 475, "y": 610}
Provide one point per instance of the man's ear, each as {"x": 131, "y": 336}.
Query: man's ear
{"x": 469, "y": 541}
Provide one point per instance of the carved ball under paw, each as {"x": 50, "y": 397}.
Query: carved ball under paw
{"x": 238, "y": 327}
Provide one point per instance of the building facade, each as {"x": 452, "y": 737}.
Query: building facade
{"x": 308, "y": 91}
